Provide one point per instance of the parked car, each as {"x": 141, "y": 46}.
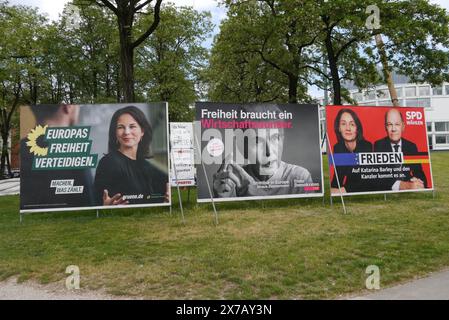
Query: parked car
{"x": 15, "y": 173}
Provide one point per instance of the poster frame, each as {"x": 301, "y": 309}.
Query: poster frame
{"x": 385, "y": 192}
{"x": 277, "y": 197}
{"x": 165, "y": 204}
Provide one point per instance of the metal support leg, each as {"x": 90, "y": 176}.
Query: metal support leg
{"x": 180, "y": 204}
{"x": 336, "y": 174}
{"x": 207, "y": 183}
{"x": 321, "y": 148}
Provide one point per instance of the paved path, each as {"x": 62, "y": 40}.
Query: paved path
{"x": 11, "y": 290}
{"x": 433, "y": 287}
{"x": 9, "y": 187}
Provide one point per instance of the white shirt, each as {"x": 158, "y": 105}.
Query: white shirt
{"x": 396, "y": 186}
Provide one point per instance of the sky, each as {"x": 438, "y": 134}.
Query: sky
{"x": 53, "y": 8}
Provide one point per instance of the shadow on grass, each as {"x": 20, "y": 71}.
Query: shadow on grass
{"x": 191, "y": 206}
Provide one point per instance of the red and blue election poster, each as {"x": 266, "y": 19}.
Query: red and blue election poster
{"x": 76, "y": 157}
{"x": 378, "y": 150}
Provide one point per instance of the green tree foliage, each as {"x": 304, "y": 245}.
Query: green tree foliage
{"x": 63, "y": 61}
{"x": 20, "y": 28}
{"x": 128, "y": 13}
{"x": 94, "y": 44}
{"x": 169, "y": 63}
{"x": 276, "y": 34}
{"x": 239, "y": 75}
{"x": 267, "y": 50}
{"x": 416, "y": 39}
{"x": 321, "y": 43}
{"x": 343, "y": 46}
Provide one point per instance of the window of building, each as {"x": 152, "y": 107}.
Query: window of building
{"x": 418, "y": 103}
{"x": 442, "y": 126}
{"x": 447, "y": 89}
{"x": 430, "y": 142}
{"x": 429, "y": 126}
{"x": 437, "y": 91}
{"x": 386, "y": 103}
{"x": 357, "y": 97}
{"x": 399, "y": 92}
{"x": 371, "y": 95}
{"x": 410, "y": 92}
{"x": 424, "y": 91}
{"x": 442, "y": 139}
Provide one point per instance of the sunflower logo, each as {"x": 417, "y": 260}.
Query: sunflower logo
{"x": 32, "y": 141}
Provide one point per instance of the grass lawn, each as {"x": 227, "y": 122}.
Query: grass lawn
{"x": 284, "y": 249}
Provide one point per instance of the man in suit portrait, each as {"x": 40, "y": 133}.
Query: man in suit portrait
{"x": 394, "y": 142}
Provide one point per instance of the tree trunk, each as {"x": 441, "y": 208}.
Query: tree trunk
{"x": 95, "y": 86}
{"x": 293, "y": 88}
{"x": 4, "y": 153}
{"x": 336, "y": 85}
{"x": 59, "y": 95}
{"x": 8, "y": 162}
{"x": 125, "y": 11}
{"x": 386, "y": 70}
{"x": 35, "y": 86}
{"x": 71, "y": 93}
{"x": 333, "y": 67}
{"x": 118, "y": 86}
{"x": 257, "y": 90}
{"x": 5, "y": 122}
{"x": 127, "y": 59}
{"x": 108, "y": 81}
{"x": 33, "y": 89}
{"x": 3, "y": 125}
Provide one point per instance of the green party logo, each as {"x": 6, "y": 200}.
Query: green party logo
{"x": 32, "y": 142}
